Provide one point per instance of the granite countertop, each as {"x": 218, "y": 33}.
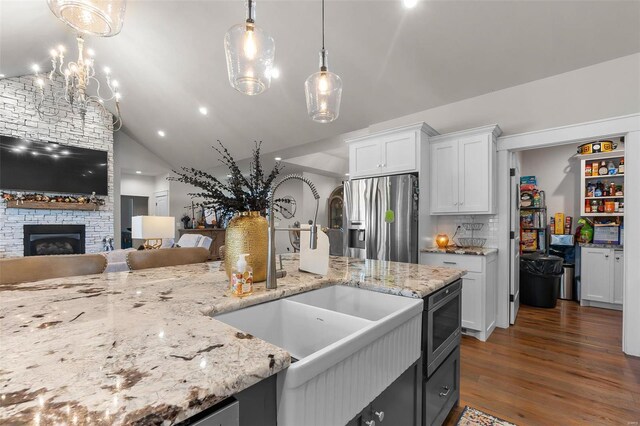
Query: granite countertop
{"x": 601, "y": 245}
{"x": 140, "y": 347}
{"x": 476, "y": 251}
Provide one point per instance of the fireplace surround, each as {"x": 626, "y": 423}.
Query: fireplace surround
{"x": 42, "y": 240}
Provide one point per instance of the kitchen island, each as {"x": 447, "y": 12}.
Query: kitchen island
{"x": 141, "y": 347}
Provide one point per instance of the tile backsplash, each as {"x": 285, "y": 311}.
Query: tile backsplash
{"x": 448, "y": 224}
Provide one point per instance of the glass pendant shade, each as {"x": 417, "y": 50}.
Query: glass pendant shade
{"x": 103, "y": 18}
{"x": 250, "y": 52}
{"x": 323, "y": 90}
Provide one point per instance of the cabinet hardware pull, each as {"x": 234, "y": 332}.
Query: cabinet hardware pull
{"x": 380, "y": 415}
{"x": 446, "y": 391}
{"x": 370, "y": 423}
{"x": 606, "y": 255}
{"x": 449, "y": 262}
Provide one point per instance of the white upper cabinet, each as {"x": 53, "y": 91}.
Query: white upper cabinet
{"x": 390, "y": 152}
{"x": 463, "y": 175}
{"x": 443, "y": 176}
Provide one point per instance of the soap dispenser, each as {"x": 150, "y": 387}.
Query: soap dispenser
{"x": 242, "y": 277}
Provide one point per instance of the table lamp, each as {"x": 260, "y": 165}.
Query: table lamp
{"x": 152, "y": 229}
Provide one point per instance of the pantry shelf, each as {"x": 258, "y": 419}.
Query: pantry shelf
{"x": 602, "y": 214}
{"x": 604, "y": 176}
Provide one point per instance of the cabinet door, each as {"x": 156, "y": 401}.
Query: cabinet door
{"x": 396, "y": 405}
{"x": 472, "y": 300}
{"x": 618, "y": 276}
{"x": 365, "y": 159}
{"x": 597, "y": 274}
{"x": 399, "y": 153}
{"x": 444, "y": 177}
{"x": 475, "y": 171}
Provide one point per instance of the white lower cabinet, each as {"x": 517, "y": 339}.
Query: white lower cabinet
{"x": 602, "y": 277}
{"x": 478, "y": 289}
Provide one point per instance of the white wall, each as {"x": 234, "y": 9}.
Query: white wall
{"x": 558, "y": 174}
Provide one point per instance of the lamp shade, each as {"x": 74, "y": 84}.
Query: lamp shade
{"x": 102, "y": 18}
{"x": 152, "y": 227}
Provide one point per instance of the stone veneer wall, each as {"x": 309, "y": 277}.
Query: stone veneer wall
{"x": 18, "y": 118}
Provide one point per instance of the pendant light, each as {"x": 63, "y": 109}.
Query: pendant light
{"x": 323, "y": 89}
{"x": 250, "y": 52}
{"x": 102, "y": 18}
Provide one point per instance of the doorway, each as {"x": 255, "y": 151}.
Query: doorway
{"x": 161, "y": 203}
{"x": 627, "y": 127}
{"x": 130, "y": 206}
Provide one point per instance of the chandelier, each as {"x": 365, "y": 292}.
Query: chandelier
{"x": 68, "y": 86}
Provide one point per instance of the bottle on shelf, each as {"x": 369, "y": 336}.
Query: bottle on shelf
{"x": 594, "y": 168}
{"x": 603, "y": 170}
{"x": 621, "y": 167}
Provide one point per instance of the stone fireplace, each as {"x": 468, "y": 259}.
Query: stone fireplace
{"x": 20, "y": 119}
{"x": 44, "y": 240}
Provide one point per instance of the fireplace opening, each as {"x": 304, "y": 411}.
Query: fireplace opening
{"x": 44, "y": 240}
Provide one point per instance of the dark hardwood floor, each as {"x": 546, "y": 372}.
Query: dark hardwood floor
{"x": 557, "y": 366}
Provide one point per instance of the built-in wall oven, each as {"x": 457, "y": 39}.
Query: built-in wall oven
{"x": 441, "y": 326}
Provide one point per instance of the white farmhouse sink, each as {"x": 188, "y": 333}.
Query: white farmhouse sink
{"x": 350, "y": 343}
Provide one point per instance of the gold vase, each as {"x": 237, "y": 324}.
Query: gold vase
{"x": 247, "y": 232}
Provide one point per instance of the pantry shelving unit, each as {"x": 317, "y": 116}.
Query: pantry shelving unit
{"x": 542, "y": 232}
{"x": 617, "y": 179}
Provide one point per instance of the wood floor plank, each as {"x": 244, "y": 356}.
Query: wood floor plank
{"x": 554, "y": 366}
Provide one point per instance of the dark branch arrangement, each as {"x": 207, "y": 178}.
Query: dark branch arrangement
{"x": 239, "y": 193}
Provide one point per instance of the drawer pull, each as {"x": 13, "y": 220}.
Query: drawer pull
{"x": 447, "y": 262}
{"x": 380, "y": 415}
{"x": 446, "y": 391}
{"x": 370, "y": 423}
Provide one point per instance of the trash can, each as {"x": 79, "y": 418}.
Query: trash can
{"x": 540, "y": 277}
{"x": 567, "y": 282}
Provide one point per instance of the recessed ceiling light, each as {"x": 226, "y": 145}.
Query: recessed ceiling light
{"x": 275, "y": 73}
{"x": 2, "y": 75}
{"x": 48, "y": 148}
{"x": 161, "y": 133}
{"x": 203, "y": 110}
{"x": 16, "y": 150}
{"x": 346, "y": 174}
{"x": 91, "y": 52}
{"x": 278, "y": 158}
{"x": 34, "y": 153}
{"x": 55, "y": 155}
{"x": 35, "y": 67}
{"x": 138, "y": 172}
{"x": 409, "y": 4}
{"x": 55, "y": 145}
{"x": 65, "y": 152}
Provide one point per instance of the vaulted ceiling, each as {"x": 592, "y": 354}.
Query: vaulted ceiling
{"x": 169, "y": 60}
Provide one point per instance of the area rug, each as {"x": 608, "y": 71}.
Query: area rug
{"x": 472, "y": 417}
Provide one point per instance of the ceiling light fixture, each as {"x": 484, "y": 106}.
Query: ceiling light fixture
{"x": 138, "y": 172}
{"x": 323, "y": 89}
{"x": 102, "y": 18}
{"x": 69, "y": 86}
{"x": 275, "y": 73}
{"x": 409, "y": 4}
{"x": 161, "y": 133}
{"x": 250, "y": 52}
{"x": 203, "y": 111}
{"x": 278, "y": 158}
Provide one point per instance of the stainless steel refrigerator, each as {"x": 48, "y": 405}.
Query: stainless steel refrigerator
{"x": 382, "y": 218}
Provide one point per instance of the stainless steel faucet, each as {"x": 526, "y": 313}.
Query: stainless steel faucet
{"x": 272, "y": 279}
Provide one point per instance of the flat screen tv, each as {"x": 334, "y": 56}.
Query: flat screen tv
{"x": 49, "y": 167}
